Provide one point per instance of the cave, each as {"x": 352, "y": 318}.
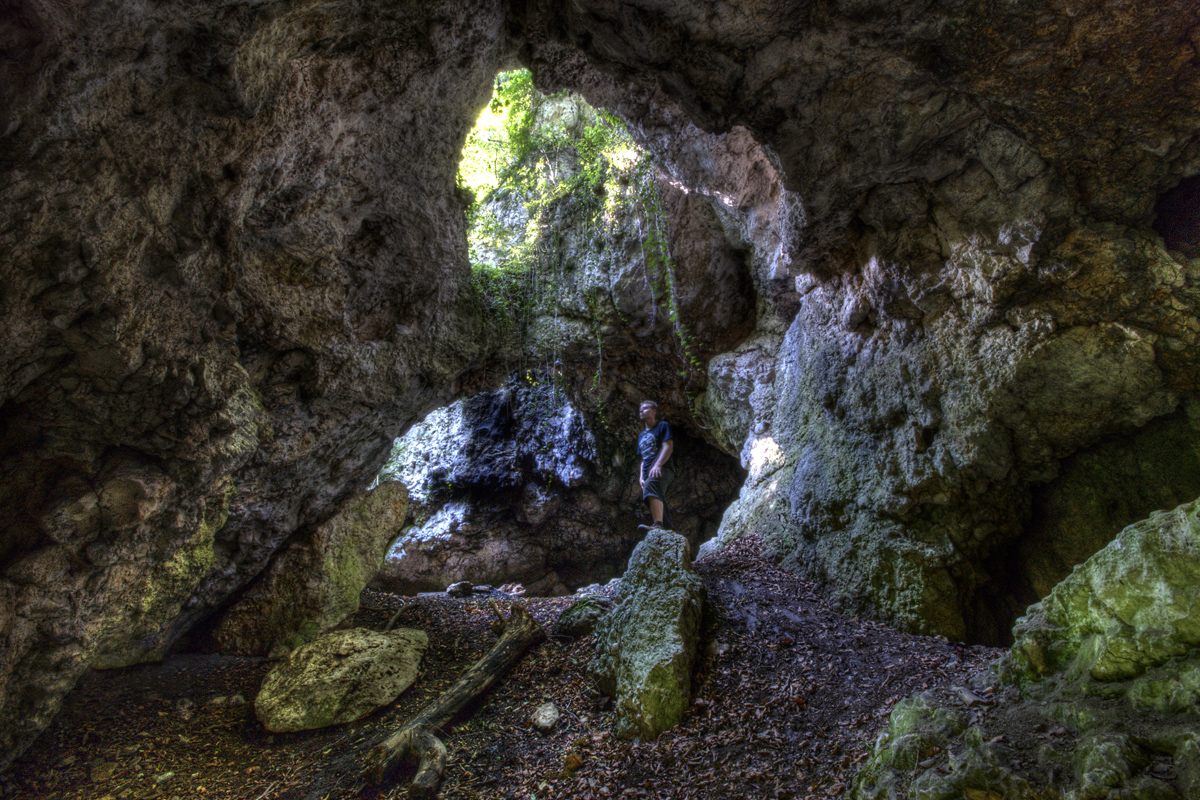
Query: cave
{"x": 937, "y": 306}
{"x": 1177, "y": 217}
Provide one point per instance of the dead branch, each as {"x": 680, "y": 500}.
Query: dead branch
{"x": 417, "y": 737}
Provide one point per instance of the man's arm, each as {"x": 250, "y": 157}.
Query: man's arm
{"x": 667, "y": 448}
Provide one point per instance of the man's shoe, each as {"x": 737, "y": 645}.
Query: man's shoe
{"x": 654, "y": 526}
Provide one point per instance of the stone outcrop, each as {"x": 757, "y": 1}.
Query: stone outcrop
{"x": 339, "y": 678}
{"x": 646, "y": 646}
{"x": 1131, "y": 607}
{"x": 1106, "y": 666}
{"x": 234, "y": 271}
{"x": 313, "y": 584}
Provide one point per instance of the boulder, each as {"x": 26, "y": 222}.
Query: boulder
{"x": 1106, "y": 666}
{"x": 580, "y": 618}
{"x": 1132, "y": 606}
{"x": 338, "y": 678}
{"x": 646, "y": 646}
{"x": 314, "y": 584}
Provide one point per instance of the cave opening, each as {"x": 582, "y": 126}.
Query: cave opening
{"x": 1177, "y": 217}
{"x": 531, "y": 478}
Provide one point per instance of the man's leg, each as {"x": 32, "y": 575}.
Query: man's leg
{"x": 656, "y": 510}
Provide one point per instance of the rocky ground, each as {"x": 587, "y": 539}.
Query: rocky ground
{"x": 788, "y": 696}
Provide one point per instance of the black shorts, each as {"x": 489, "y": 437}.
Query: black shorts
{"x": 657, "y": 487}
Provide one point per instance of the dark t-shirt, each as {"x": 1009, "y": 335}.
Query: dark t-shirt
{"x": 649, "y": 442}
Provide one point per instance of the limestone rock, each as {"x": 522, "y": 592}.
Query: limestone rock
{"x": 544, "y": 718}
{"x": 234, "y": 271}
{"x": 517, "y": 485}
{"x": 233, "y": 259}
{"x": 338, "y": 678}
{"x": 580, "y": 618}
{"x": 646, "y": 646}
{"x": 314, "y": 583}
{"x": 1107, "y": 664}
{"x": 1132, "y": 606}
{"x": 1101, "y": 490}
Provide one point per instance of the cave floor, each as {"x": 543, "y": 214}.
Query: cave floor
{"x": 787, "y": 698}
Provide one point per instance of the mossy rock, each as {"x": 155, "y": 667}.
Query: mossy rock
{"x": 1131, "y": 607}
{"x": 646, "y": 646}
{"x": 339, "y": 678}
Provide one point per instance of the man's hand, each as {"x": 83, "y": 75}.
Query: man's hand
{"x": 655, "y": 471}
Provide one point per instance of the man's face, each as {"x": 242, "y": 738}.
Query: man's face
{"x": 647, "y": 412}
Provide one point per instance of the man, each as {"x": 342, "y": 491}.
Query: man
{"x": 656, "y": 471}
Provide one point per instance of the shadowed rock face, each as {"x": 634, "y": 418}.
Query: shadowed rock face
{"x": 234, "y": 269}
{"x": 516, "y": 486}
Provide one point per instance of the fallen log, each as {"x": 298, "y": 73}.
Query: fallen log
{"x": 417, "y": 737}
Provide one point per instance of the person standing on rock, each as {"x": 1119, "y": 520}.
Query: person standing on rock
{"x": 656, "y": 472}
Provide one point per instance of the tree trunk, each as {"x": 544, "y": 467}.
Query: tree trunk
{"x": 417, "y": 737}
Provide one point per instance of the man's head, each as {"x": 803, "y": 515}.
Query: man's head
{"x": 648, "y": 411}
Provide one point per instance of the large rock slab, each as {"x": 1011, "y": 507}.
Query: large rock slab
{"x": 1132, "y": 606}
{"x": 314, "y": 583}
{"x": 339, "y": 677}
{"x": 646, "y": 646}
{"x": 1107, "y": 662}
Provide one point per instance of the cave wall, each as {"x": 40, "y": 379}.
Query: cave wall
{"x": 234, "y": 270}
{"x": 519, "y": 485}
{"x": 964, "y": 258}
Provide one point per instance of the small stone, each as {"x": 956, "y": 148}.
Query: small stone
{"x": 544, "y": 718}
{"x": 186, "y": 708}
{"x": 103, "y": 771}
{"x": 166, "y": 777}
{"x": 460, "y": 589}
{"x": 232, "y": 701}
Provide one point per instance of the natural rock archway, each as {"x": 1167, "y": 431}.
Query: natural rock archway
{"x": 234, "y": 270}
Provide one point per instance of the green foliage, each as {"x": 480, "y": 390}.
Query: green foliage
{"x": 536, "y": 168}
{"x": 525, "y": 170}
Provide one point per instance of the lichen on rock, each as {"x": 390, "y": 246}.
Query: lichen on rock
{"x": 646, "y": 646}
{"x": 314, "y": 583}
{"x": 339, "y": 678}
{"x": 1096, "y": 700}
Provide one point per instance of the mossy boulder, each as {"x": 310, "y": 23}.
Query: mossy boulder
{"x": 580, "y": 618}
{"x": 338, "y": 678}
{"x": 646, "y": 646}
{"x": 1132, "y": 606}
{"x": 314, "y": 584}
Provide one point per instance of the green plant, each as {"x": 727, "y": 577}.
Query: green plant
{"x": 531, "y": 177}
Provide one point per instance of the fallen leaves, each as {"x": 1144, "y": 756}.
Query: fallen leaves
{"x": 787, "y": 697}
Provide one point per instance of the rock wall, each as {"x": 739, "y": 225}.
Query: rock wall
{"x": 1105, "y": 666}
{"x": 964, "y": 248}
{"x": 234, "y": 270}
{"x": 518, "y": 486}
